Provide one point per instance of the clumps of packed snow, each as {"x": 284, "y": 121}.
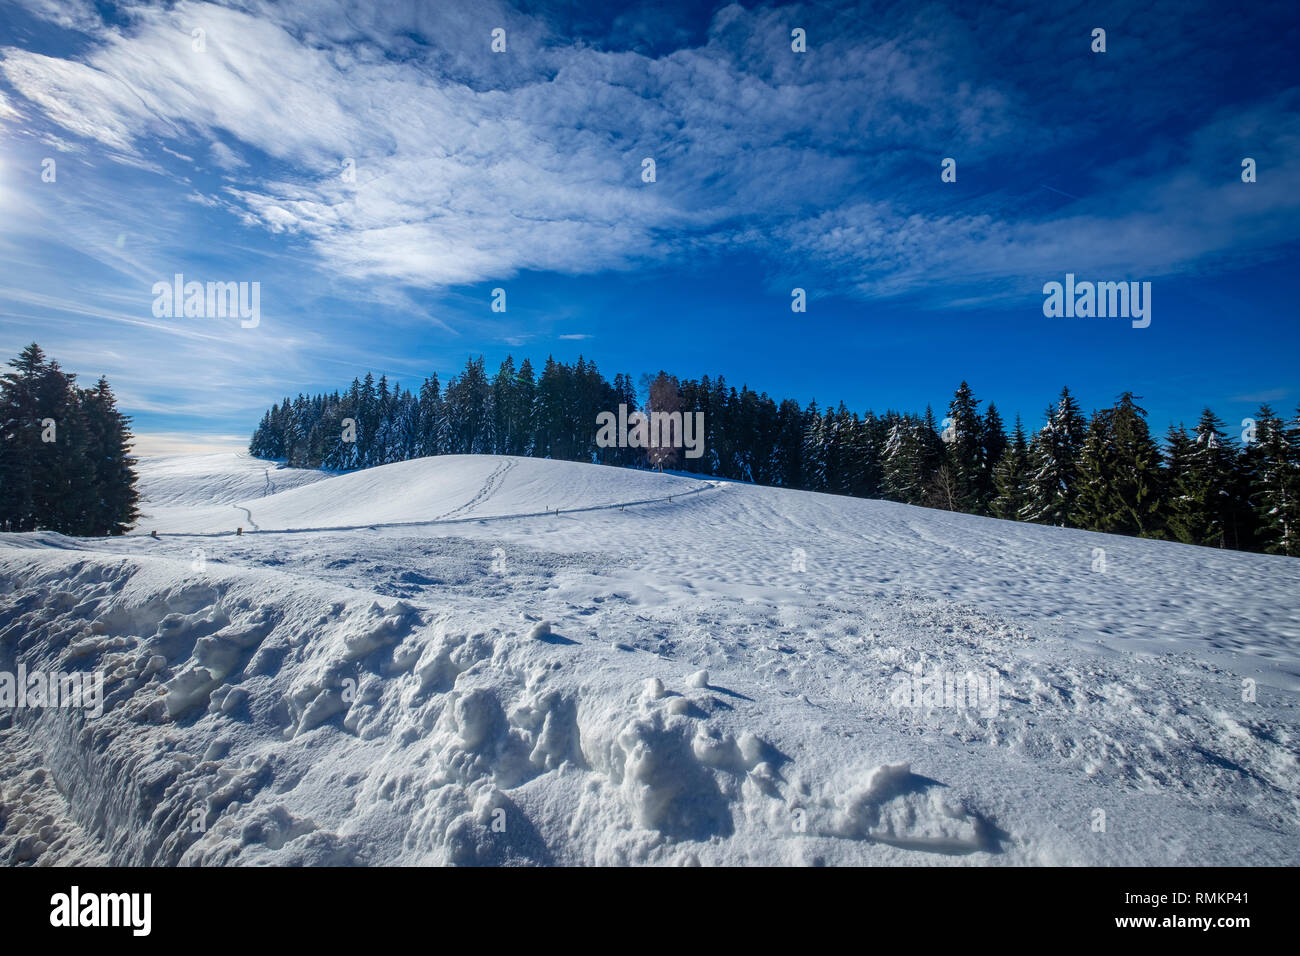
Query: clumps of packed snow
{"x": 636, "y": 680}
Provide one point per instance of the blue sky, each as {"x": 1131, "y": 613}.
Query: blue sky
{"x": 774, "y": 169}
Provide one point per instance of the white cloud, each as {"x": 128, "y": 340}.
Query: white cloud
{"x": 73, "y": 14}
{"x": 471, "y": 165}
{"x": 7, "y": 112}
{"x": 474, "y": 166}
{"x": 225, "y": 157}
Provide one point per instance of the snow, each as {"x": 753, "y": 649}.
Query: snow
{"x": 223, "y": 478}
{"x": 478, "y": 659}
{"x": 450, "y": 488}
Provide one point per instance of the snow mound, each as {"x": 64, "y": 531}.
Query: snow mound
{"x": 222, "y": 478}
{"x": 447, "y": 488}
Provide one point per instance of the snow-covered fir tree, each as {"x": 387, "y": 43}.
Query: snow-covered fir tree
{"x": 1054, "y": 464}
{"x": 1120, "y": 483}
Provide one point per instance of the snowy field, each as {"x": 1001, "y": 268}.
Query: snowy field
{"x": 424, "y": 664}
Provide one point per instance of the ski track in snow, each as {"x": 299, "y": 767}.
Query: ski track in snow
{"x": 634, "y": 680}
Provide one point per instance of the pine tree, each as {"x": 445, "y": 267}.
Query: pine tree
{"x": 1272, "y": 463}
{"x": 967, "y": 474}
{"x": 1119, "y": 474}
{"x": 789, "y": 467}
{"x": 833, "y": 426}
{"x": 525, "y": 416}
{"x": 1095, "y": 505}
{"x": 1177, "y": 458}
{"x": 20, "y": 429}
{"x": 432, "y": 420}
{"x": 1054, "y": 464}
{"x": 1011, "y": 477}
{"x": 469, "y": 410}
{"x": 384, "y": 423}
{"x": 367, "y": 452}
{"x": 112, "y": 464}
{"x": 718, "y": 425}
{"x": 550, "y": 411}
{"x": 909, "y": 460}
{"x": 504, "y": 408}
{"x": 1202, "y": 507}
{"x": 60, "y": 469}
{"x": 347, "y": 451}
{"x": 65, "y": 464}
{"x": 625, "y": 395}
{"x": 813, "y": 450}
{"x": 862, "y": 457}
{"x": 994, "y": 441}
{"x": 765, "y": 433}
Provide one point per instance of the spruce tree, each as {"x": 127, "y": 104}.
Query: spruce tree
{"x": 994, "y": 441}
{"x": 1054, "y": 464}
{"x": 432, "y": 420}
{"x": 931, "y": 451}
{"x": 1273, "y": 467}
{"x": 767, "y": 420}
{"x": 625, "y": 394}
{"x": 909, "y": 460}
{"x": 20, "y": 430}
{"x": 504, "y": 408}
{"x": 813, "y": 449}
{"x": 1011, "y": 477}
{"x": 967, "y": 475}
{"x": 789, "y": 445}
{"x": 1201, "y": 508}
{"x": 863, "y": 457}
{"x": 525, "y": 416}
{"x": 65, "y": 463}
{"x": 1119, "y": 474}
{"x": 60, "y": 470}
{"x": 112, "y": 463}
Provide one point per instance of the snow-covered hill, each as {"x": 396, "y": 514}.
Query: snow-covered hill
{"x": 426, "y": 663}
{"x": 442, "y": 489}
{"x": 174, "y": 486}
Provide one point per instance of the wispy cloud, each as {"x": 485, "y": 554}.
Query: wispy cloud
{"x": 463, "y": 165}
{"x": 488, "y": 174}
